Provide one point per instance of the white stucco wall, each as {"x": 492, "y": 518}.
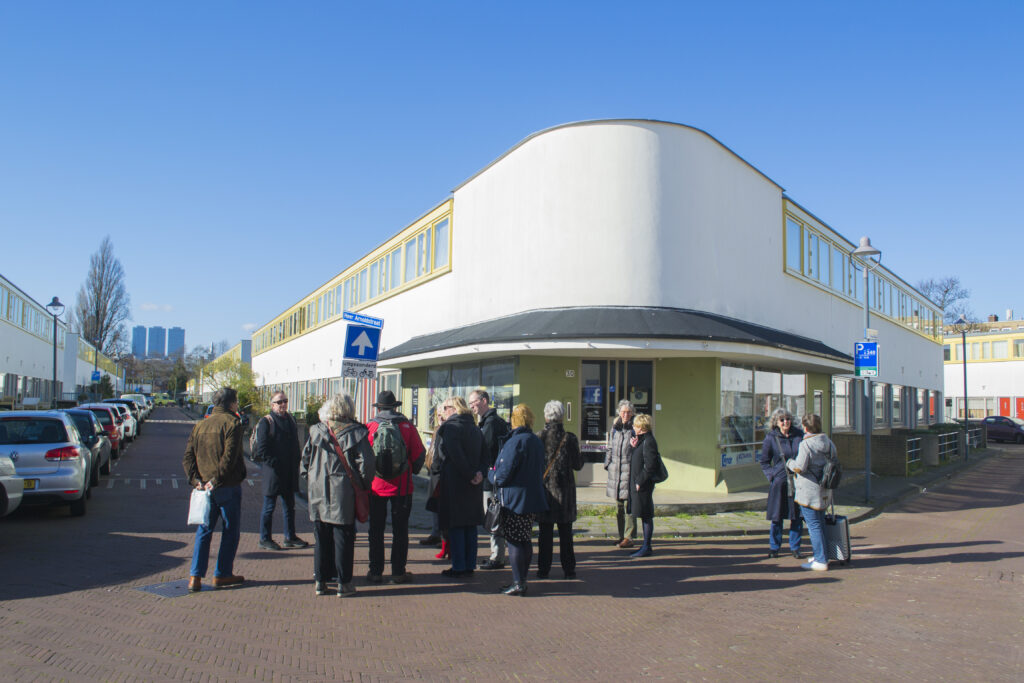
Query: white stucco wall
{"x": 617, "y": 213}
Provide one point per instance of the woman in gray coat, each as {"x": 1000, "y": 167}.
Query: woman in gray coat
{"x": 331, "y": 498}
{"x": 616, "y": 464}
{"x": 815, "y": 450}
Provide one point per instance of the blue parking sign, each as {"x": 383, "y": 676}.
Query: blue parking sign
{"x": 865, "y": 359}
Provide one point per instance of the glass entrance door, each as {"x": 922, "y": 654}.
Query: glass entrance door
{"x": 603, "y": 383}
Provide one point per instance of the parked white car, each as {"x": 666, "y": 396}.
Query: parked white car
{"x": 11, "y": 486}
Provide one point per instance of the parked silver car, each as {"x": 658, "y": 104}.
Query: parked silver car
{"x": 49, "y": 456}
{"x": 11, "y": 487}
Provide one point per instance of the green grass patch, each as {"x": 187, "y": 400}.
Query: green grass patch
{"x": 595, "y": 510}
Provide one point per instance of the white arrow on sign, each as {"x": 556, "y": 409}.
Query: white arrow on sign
{"x": 361, "y": 342}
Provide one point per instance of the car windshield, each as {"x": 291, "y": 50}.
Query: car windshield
{"x": 26, "y": 430}
{"x": 103, "y": 416}
{"x": 83, "y": 423}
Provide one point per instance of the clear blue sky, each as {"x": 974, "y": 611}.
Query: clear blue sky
{"x": 239, "y": 154}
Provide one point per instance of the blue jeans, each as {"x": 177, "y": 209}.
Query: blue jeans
{"x": 267, "y": 520}
{"x": 462, "y": 547}
{"x": 816, "y": 531}
{"x": 796, "y": 527}
{"x": 226, "y": 504}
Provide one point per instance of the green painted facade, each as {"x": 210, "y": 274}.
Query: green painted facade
{"x": 688, "y": 391}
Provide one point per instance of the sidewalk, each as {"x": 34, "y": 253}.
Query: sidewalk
{"x": 684, "y": 514}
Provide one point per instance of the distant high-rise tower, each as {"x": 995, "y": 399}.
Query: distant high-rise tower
{"x": 157, "y": 342}
{"x": 176, "y": 342}
{"x": 139, "y": 341}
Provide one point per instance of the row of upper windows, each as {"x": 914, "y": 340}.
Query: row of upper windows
{"x": 406, "y": 261}
{"x": 24, "y": 313}
{"x": 85, "y": 353}
{"x": 823, "y": 260}
{"x": 1001, "y": 349}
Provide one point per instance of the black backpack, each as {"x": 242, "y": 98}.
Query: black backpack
{"x": 252, "y": 436}
{"x": 389, "y": 449}
{"x": 832, "y": 472}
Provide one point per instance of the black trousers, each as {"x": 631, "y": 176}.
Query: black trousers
{"x": 401, "y": 506}
{"x": 334, "y": 552}
{"x": 545, "y": 543}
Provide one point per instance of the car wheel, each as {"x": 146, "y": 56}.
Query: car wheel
{"x": 94, "y": 476}
{"x": 77, "y": 507}
{"x": 1019, "y": 439}
{"x": 105, "y": 468}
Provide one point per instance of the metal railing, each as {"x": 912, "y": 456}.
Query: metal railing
{"x": 974, "y": 437}
{"x": 949, "y": 446}
{"x": 913, "y": 453}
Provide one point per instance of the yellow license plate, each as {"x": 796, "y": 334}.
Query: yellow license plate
{"x": 30, "y": 484}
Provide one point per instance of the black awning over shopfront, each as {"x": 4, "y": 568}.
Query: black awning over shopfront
{"x": 612, "y": 322}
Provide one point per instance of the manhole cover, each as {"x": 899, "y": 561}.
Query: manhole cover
{"x": 171, "y": 589}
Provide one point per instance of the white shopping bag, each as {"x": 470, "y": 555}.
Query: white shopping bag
{"x": 199, "y": 507}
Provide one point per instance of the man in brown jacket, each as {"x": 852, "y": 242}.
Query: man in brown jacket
{"x": 213, "y": 462}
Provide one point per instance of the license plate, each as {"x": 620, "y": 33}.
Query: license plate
{"x": 30, "y": 484}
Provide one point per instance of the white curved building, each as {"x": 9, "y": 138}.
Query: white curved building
{"x": 619, "y": 259}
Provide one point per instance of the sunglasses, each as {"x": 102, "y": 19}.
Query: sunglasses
{"x": 281, "y": 401}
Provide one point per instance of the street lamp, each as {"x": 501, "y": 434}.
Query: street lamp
{"x": 961, "y": 326}
{"x": 55, "y": 307}
{"x": 865, "y": 251}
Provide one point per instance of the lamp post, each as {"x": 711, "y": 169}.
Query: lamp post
{"x": 55, "y": 307}
{"x": 961, "y": 326}
{"x": 865, "y": 251}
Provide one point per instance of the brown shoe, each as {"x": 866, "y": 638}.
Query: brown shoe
{"x": 227, "y": 581}
{"x": 195, "y": 584}
{"x": 626, "y": 543}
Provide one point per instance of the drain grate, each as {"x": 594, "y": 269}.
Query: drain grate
{"x": 171, "y": 589}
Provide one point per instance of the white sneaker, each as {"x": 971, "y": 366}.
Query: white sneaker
{"x": 815, "y": 566}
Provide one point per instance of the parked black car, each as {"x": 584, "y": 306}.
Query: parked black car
{"x": 95, "y": 439}
{"x": 1001, "y": 428}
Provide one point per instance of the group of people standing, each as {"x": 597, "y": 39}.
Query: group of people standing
{"x": 632, "y": 462}
{"x": 530, "y": 475}
{"x": 793, "y": 459}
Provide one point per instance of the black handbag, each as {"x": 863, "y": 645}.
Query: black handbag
{"x": 492, "y": 518}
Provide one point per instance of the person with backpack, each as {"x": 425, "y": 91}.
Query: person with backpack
{"x": 399, "y": 453}
{"x": 275, "y": 445}
{"x": 816, "y": 458}
{"x": 780, "y": 446}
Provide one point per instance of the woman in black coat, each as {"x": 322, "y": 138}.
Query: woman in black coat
{"x": 459, "y": 464}
{"x": 781, "y": 445}
{"x": 644, "y": 464}
{"x": 562, "y": 458}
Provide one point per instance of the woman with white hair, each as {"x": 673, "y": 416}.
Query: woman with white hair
{"x": 562, "y": 457}
{"x": 331, "y": 497}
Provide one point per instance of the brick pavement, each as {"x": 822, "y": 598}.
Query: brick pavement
{"x": 934, "y": 593}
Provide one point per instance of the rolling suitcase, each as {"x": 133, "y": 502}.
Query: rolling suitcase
{"x": 837, "y": 537}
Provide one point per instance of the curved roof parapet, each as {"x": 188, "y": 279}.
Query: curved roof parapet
{"x": 598, "y": 122}
{"x": 619, "y": 322}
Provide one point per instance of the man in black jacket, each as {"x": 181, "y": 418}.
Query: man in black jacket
{"x": 277, "y": 448}
{"x": 494, "y": 430}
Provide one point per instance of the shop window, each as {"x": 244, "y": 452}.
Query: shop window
{"x": 842, "y": 404}
{"x": 395, "y": 268}
{"x": 880, "y": 407}
{"x": 897, "y": 404}
{"x": 1000, "y": 350}
{"x": 945, "y": 352}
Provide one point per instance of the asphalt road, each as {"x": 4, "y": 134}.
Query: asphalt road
{"x": 934, "y": 592}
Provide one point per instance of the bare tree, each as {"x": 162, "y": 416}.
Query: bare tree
{"x": 948, "y": 293}
{"x": 103, "y": 303}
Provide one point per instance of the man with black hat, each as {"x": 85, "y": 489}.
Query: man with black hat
{"x": 399, "y": 451}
